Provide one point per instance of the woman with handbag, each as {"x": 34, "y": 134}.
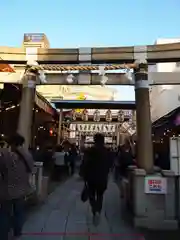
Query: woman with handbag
{"x": 95, "y": 170}
{"x": 16, "y": 163}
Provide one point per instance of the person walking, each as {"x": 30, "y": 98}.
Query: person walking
{"x": 72, "y": 158}
{"x": 59, "y": 163}
{"x": 95, "y": 170}
{"x": 117, "y": 165}
{"x": 16, "y": 164}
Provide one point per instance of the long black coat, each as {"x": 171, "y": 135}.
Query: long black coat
{"x": 96, "y": 166}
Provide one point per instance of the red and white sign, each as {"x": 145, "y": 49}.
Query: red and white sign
{"x": 43, "y": 105}
{"x": 155, "y": 185}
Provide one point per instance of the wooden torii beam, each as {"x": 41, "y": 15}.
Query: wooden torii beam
{"x": 155, "y": 54}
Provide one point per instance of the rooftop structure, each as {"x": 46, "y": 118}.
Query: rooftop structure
{"x": 38, "y": 40}
{"x": 164, "y": 98}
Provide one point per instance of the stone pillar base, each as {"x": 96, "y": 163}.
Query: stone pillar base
{"x": 44, "y": 189}
{"x": 155, "y": 225}
{"x": 152, "y": 210}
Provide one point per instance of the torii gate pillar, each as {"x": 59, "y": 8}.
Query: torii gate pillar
{"x": 141, "y": 191}
{"x": 26, "y": 107}
{"x": 143, "y": 118}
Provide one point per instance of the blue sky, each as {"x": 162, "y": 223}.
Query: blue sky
{"x": 74, "y": 23}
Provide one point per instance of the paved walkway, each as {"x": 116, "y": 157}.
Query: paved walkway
{"x": 64, "y": 217}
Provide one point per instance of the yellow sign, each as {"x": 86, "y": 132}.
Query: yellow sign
{"x": 80, "y": 97}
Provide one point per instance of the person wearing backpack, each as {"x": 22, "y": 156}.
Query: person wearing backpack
{"x": 95, "y": 170}
{"x": 16, "y": 164}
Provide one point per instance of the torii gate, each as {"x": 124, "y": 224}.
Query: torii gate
{"x": 84, "y": 61}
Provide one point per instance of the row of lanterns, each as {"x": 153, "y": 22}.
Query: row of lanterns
{"x": 97, "y": 117}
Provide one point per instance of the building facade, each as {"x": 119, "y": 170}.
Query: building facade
{"x": 73, "y": 92}
{"x": 164, "y": 98}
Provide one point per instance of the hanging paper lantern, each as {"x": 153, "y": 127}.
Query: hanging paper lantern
{"x": 74, "y": 114}
{"x": 85, "y": 127}
{"x": 96, "y": 116}
{"x": 84, "y": 115}
{"x": 134, "y": 119}
{"x": 120, "y": 116}
{"x": 108, "y": 116}
{"x": 130, "y": 121}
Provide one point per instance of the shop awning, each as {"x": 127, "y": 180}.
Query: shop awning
{"x": 5, "y": 67}
{"x": 42, "y": 103}
{"x": 87, "y": 104}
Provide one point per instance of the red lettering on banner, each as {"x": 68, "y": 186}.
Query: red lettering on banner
{"x": 156, "y": 184}
{"x": 150, "y": 182}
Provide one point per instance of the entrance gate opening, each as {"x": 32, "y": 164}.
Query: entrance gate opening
{"x": 81, "y": 132}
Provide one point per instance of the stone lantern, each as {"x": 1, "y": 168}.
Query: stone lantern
{"x": 74, "y": 115}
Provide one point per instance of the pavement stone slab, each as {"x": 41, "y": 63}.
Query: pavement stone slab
{"x": 63, "y": 216}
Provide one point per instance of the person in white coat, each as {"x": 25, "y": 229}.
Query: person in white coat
{"x": 59, "y": 162}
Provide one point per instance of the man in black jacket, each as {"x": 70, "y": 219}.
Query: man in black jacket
{"x": 97, "y": 164}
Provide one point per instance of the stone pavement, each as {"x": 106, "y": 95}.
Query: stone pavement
{"x": 64, "y": 216}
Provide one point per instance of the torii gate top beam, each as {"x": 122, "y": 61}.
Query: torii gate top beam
{"x": 155, "y": 54}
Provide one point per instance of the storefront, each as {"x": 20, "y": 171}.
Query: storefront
{"x": 44, "y": 115}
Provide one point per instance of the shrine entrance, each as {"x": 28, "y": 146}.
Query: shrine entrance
{"x": 82, "y": 133}
{"x": 116, "y": 120}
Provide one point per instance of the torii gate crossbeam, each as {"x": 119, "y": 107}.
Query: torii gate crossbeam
{"x": 89, "y": 78}
{"x": 154, "y": 54}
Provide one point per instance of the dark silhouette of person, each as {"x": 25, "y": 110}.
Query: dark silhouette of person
{"x": 96, "y": 167}
{"x": 126, "y": 160}
{"x": 72, "y": 158}
{"x": 16, "y": 164}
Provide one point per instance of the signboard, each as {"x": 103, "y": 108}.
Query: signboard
{"x": 80, "y": 97}
{"x": 155, "y": 185}
{"x": 91, "y": 139}
{"x": 102, "y": 128}
{"x": 43, "y": 105}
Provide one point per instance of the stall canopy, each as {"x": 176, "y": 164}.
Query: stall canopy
{"x": 5, "y": 67}
{"x": 11, "y": 96}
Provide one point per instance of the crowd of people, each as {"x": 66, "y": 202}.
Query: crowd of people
{"x": 16, "y": 165}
